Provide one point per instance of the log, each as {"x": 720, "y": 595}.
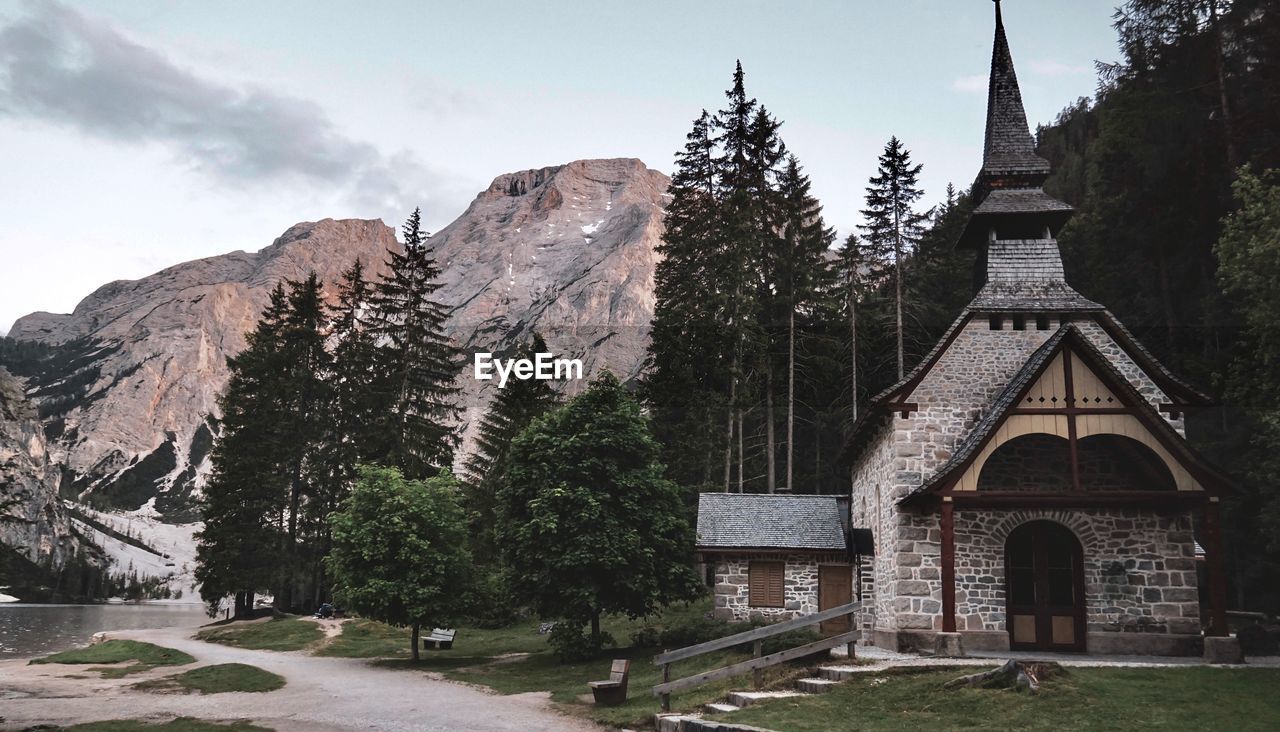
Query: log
{"x": 1017, "y": 675}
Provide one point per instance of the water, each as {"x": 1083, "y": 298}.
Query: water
{"x": 37, "y": 630}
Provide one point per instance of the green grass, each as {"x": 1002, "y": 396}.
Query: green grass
{"x": 288, "y": 633}
{"x": 217, "y": 679}
{"x": 181, "y": 724}
{"x": 1085, "y": 699}
{"x": 136, "y": 655}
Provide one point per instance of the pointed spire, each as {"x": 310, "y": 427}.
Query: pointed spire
{"x": 1009, "y": 147}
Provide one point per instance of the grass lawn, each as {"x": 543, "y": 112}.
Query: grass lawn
{"x": 217, "y": 679}
{"x": 288, "y": 633}
{"x": 181, "y": 724}
{"x": 1085, "y": 699}
{"x": 137, "y": 655}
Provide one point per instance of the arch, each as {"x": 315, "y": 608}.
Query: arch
{"x": 1115, "y": 462}
{"x": 1044, "y": 587}
{"x": 1034, "y": 462}
{"x": 1078, "y": 524}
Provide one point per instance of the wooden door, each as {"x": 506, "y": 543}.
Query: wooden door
{"x": 1044, "y": 588}
{"x": 835, "y": 588}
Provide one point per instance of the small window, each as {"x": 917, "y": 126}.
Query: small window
{"x": 996, "y": 322}
{"x": 1042, "y": 322}
{"x": 1019, "y": 322}
{"x": 764, "y": 580}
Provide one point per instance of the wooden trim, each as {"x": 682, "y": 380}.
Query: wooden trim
{"x": 1159, "y": 500}
{"x": 1069, "y": 410}
{"x": 1072, "y": 442}
{"x": 948, "y": 566}
{"x": 770, "y": 550}
{"x": 1217, "y": 569}
{"x": 1152, "y": 368}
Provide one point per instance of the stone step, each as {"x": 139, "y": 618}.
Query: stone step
{"x": 837, "y": 673}
{"x": 815, "y": 686}
{"x": 721, "y": 707}
{"x": 671, "y": 722}
{"x": 747, "y": 698}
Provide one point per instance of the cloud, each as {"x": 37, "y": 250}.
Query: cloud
{"x": 1051, "y": 67}
{"x": 60, "y": 66}
{"x": 975, "y": 84}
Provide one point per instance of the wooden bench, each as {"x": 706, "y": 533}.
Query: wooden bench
{"x": 613, "y": 692}
{"x": 440, "y": 639}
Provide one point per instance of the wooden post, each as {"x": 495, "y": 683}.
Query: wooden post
{"x": 948, "y": 565}
{"x": 666, "y": 676}
{"x": 1217, "y": 569}
{"x": 853, "y": 625}
{"x": 757, "y": 674}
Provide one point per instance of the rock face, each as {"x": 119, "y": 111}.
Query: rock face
{"x": 156, "y": 362}
{"x": 566, "y": 251}
{"x": 32, "y": 520}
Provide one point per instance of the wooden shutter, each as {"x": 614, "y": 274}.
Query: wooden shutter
{"x": 764, "y": 581}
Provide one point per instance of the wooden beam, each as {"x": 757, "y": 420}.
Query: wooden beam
{"x": 948, "y": 566}
{"x": 1071, "y": 410}
{"x": 1217, "y": 569}
{"x": 1157, "y": 500}
{"x": 754, "y": 663}
{"x": 1072, "y": 437}
{"x": 754, "y": 634}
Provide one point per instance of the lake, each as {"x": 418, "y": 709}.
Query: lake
{"x": 36, "y": 630}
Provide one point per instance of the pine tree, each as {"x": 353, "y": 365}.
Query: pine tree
{"x": 893, "y": 225}
{"x": 416, "y": 363}
{"x": 511, "y": 410}
{"x": 237, "y": 546}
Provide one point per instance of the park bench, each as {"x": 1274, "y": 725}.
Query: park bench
{"x": 439, "y": 639}
{"x": 613, "y": 692}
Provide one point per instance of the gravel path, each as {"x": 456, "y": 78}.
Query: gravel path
{"x": 321, "y": 694}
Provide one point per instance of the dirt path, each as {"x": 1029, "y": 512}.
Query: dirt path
{"x": 321, "y": 694}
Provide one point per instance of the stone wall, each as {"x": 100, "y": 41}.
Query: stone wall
{"x": 800, "y": 585}
{"x": 1139, "y": 568}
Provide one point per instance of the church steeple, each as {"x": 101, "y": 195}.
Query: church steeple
{"x": 1019, "y": 267}
{"x": 1009, "y": 151}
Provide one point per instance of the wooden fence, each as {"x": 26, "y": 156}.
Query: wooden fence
{"x": 756, "y": 664}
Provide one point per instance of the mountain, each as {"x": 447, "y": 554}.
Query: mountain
{"x": 36, "y": 533}
{"x": 131, "y": 377}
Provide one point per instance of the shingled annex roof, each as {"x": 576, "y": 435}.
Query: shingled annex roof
{"x": 1009, "y": 147}
{"x": 763, "y": 521}
{"x": 1030, "y": 371}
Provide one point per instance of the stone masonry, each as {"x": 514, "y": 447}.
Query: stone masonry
{"x": 800, "y": 585}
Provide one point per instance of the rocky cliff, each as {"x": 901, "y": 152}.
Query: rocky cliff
{"x": 33, "y": 523}
{"x": 566, "y": 251}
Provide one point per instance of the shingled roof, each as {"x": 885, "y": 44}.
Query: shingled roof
{"x": 765, "y": 521}
{"x": 1027, "y": 274}
{"x": 1009, "y": 147}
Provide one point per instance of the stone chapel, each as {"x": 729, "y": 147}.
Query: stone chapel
{"x": 1028, "y": 485}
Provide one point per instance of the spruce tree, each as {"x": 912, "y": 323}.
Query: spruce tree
{"x": 512, "y": 409}
{"x": 236, "y": 549}
{"x": 416, "y": 363}
{"x": 893, "y": 225}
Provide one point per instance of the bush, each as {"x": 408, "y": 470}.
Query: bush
{"x": 646, "y": 637}
{"x": 570, "y": 643}
{"x": 491, "y": 603}
{"x": 697, "y": 630}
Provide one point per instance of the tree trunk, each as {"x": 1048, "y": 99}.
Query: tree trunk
{"x": 853, "y": 346}
{"x": 728, "y": 436}
{"x": 771, "y": 448}
{"x": 1233, "y": 156}
{"x": 741, "y": 463}
{"x": 791, "y": 396}
{"x": 897, "y": 282}
{"x": 595, "y": 629}
{"x": 413, "y": 639}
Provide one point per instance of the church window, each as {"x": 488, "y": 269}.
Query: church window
{"x": 1019, "y": 322}
{"x": 1042, "y": 322}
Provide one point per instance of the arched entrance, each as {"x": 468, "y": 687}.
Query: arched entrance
{"x": 1044, "y": 588}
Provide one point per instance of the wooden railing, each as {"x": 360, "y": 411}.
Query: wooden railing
{"x": 758, "y": 662}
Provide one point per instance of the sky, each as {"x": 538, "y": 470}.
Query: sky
{"x": 136, "y": 135}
